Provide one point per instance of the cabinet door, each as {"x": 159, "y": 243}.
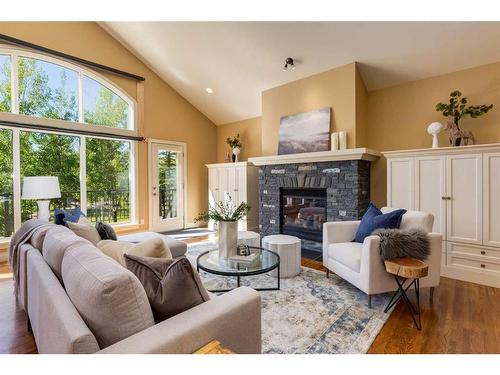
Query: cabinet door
{"x": 400, "y": 184}
{"x": 232, "y": 181}
{"x": 430, "y": 188}
{"x": 464, "y": 198}
{"x": 491, "y": 206}
{"x": 223, "y": 185}
{"x": 213, "y": 189}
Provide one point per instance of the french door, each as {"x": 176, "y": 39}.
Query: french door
{"x": 167, "y": 185}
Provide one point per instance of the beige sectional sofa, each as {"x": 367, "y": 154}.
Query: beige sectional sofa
{"x": 80, "y": 301}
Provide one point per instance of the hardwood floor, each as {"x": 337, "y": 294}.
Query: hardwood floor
{"x": 462, "y": 318}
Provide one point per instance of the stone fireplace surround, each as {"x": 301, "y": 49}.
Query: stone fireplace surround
{"x": 344, "y": 174}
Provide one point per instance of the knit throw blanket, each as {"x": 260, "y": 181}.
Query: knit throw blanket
{"x": 397, "y": 243}
{"x": 22, "y": 236}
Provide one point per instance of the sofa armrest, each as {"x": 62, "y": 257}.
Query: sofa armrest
{"x": 233, "y": 318}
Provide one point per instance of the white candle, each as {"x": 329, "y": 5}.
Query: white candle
{"x": 343, "y": 140}
{"x": 334, "y": 144}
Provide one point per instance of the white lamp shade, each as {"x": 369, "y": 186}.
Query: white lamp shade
{"x": 41, "y": 187}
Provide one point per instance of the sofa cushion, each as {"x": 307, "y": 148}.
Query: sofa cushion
{"x": 172, "y": 286}
{"x": 62, "y": 216}
{"x": 177, "y": 248}
{"x": 106, "y": 231}
{"x": 58, "y": 239}
{"x": 85, "y": 230}
{"x": 109, "y": 298}
{"x": 154, "y": 248}
{"x": 347, "y": 253}
{"x": 374, "y": 219}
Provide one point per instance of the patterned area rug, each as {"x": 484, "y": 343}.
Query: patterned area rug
{"x": 310, "y": 314}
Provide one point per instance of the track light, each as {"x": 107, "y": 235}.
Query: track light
{"x": 289, "y": 65}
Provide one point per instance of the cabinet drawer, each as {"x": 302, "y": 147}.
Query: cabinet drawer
{"x": 477, "y": 252}
{"x": 473, "y": 264}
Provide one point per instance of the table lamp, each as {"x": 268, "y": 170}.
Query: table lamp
{"x": 42, "y": 189}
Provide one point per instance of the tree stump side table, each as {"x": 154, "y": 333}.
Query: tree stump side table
{"x": 412, "y": 270}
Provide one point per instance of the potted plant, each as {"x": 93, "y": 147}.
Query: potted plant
{"x": 457, "y": 109}
{"x": 235, "y": 144}
{"x": 226, "y": 214}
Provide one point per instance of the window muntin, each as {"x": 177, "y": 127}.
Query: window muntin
{"x": 47, "y": 90}
{"x": 6, "y": 184}
{"x": 108, "y": 180}
{"x": 101, "y": 106}
{"x": 5, "y": 84}
{"x": 43, "y": 154}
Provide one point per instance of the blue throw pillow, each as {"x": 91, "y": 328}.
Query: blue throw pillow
{"x": 375, "y": 219}
{"x": 61, "y": 216}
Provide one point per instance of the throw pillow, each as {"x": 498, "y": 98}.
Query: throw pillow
{"x": 172, "y": 286}
{"x": 106, "y": 231}
{"x": 374, "y": 219}
{"x": 85, "y": 230}
{"x": 153, "y": 248}
{"x": 62, "y": 216}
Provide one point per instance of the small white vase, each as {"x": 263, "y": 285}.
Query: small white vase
{"x": 228, "y": 239}
{"x": 236, "y": 153}
{"x": 334, "y": 144}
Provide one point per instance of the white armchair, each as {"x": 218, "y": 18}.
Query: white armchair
{"x": 361, "y": 264}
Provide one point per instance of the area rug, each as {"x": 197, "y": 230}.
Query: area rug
{"x": 310, "y": 313}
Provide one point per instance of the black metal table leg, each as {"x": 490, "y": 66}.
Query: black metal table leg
{"x": 238, "y": 281}
{"x": 279, "y": 276}
{"x": 401, "y": 294}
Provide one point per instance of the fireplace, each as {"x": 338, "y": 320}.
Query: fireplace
{"x": 303, "y": 212}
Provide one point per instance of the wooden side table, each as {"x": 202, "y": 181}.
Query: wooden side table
{"x": 214, "y": 347}
{"x": 407, "y": 269}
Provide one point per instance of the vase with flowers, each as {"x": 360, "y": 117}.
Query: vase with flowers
{"x": 227, "y": 215}
{"x": 235, "y": 144}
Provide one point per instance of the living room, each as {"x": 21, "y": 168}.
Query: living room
{"x": 291, "y": 186}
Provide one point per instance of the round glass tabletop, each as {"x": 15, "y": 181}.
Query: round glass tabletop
{"x": 264, "y": 261}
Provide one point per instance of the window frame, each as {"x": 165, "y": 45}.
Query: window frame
{"x": 15, "y": 53}
{"x": 14, "y": 116}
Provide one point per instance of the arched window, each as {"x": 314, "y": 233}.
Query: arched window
{"x": 96, "y": 173}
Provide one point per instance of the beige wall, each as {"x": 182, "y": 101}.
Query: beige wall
{"x": 334, "y": 88}
{"x": 361, "y": 111}
{"x": 398, "y": 116}
{"x": 250, "y": 135}
{"x": 167, "y": 115}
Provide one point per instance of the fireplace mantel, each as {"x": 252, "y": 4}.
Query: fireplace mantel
{"x": 313, "y": 157}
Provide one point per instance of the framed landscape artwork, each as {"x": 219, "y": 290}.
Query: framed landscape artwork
{"x": 305, "y": 132}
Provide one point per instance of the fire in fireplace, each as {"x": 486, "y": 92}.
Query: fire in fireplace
{"x": 303, "y": 212}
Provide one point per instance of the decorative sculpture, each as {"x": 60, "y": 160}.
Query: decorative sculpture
{"x": 434, "y": 129}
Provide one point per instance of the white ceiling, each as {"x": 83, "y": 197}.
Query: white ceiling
{"x": 239, "y": 60}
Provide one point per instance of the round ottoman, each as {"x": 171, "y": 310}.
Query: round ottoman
{"x": 248, "y": 238}
{"x": 288, "y": 248}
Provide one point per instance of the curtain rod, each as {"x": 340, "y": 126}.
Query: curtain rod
{"x": 21, "y": 125}
{"x": 22, "y": 43}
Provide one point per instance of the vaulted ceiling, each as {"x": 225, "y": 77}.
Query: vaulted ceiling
{"x": 239, "y": 60}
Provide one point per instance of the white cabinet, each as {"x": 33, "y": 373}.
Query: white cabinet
{"x": 238, "y": 181}
{"x": 461, "y": 188}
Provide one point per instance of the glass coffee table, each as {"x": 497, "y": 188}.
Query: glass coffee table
{"x": 266, "y": 261}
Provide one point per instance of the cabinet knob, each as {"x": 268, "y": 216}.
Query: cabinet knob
{"x": 483, "y": 252}
{"x": 446, "y": 198}
{"x": 483, "y": 265}
{"x": 235, "y": 189}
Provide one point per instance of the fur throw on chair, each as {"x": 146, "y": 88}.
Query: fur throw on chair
{"x": 397, "y": 243}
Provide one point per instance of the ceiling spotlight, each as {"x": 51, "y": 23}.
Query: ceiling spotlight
{"x": 289, "y": 65}
{"x": 209, "y": 90}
